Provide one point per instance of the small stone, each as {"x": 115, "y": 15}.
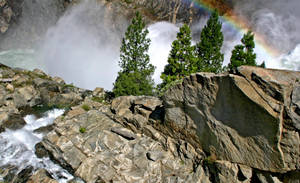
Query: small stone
{"x": 99, "y": 92}
{"x": 154, "y": 155}
{"x": 58, "y": 80}
{"x": 125, "y": 133}
{"x": 2, "y": 3}
{"x": 76, "y": 112}
{"x": 39, "y": 72}
{"x": 10, "y": 87}
{"x": 41, "y": 176}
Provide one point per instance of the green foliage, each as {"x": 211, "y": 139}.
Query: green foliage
{"x": 263, "y": 64}
{"x": 244, "y": 54}
{"x": 82, "y": 130}
{"x": 85, "y": 107}
{"x": 181, "y": 61}
{"x": 136, "y": 70}
{"x": 100, "y": 100}
{"x": 208, "y": 50}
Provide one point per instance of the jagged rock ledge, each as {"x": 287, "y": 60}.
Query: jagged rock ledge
{"x": 241, "y": 127}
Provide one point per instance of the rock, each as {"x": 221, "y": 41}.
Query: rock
{"x": 41, "y": 175}
{"x": 10, "y": 87}
{"x": 23, "y": 175}
{"x": 125, "y": 133}
{"x": 245, "y": 172}
{"x": 99, "y": 92}
{"x": 59, "y": 80}
{"x": 44, "y": 129}
{"x": 224, "y": 171}
{"x": 11, "y": 121}
{"x": 8, "y": 172}
{"x": 26, "y": 96}
{"x": 75, "y": 112}
{"x": 267, "y": 178}
{"x": 40, "y": 150}
{"x": 155, "y": 155}
{"x": 107, "y": 151}
{"x": 2, "y": 3}
{"x": 135, "y": 110}
{"x": 39, "y": 72}
{"x": 244, "y": 118}
{"x": 292, "y": 177}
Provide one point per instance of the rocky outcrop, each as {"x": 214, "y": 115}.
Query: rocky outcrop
{"x": 250, "y": 118}
{"x": 22, "y": 90}
{"x": 241, "y": 127}
{"x": 111, "y": 149}
{"x": 9, "y": 11}
{"x": 175, "y": 11}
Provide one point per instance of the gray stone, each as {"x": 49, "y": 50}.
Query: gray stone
{"x": 41, "y": 175}
{"x": 125, "y": 133}
{"x": 237, "y": 117}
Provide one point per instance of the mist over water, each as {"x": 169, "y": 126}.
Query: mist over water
{"x": 83, "y": 47}
{"x": 17, "y": 147}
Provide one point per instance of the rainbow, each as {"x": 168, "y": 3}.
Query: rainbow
{"x": 238, "y": 22}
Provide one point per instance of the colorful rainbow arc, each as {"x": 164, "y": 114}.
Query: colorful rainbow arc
{"x": 238, "y": 22}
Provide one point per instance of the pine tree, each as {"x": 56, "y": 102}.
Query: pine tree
{"x": 135, "y": 76}
{"x": 208, "y": 50}
{"x": 244, "y": 54}
{"x": 181, "y": 60}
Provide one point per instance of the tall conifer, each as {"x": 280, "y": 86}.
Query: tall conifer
{"x": 181, "y": 60}
{"x": 208, "y": 50}
{"x": 244, "y": 54}
{"x": 135, "y": 76}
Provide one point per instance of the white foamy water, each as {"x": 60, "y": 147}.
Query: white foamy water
{"x": 17, "y": 146}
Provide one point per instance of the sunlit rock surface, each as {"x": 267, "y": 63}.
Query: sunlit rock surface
{"x": 250, "y": 118}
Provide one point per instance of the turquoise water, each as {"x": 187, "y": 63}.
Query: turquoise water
{"x": 25, "y": 59}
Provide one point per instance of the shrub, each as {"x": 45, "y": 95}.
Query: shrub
{"x": 85, "y": 107}
{"x": 82, "y": 130}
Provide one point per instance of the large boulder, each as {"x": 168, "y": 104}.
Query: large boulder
{"x": 250, "y": 118}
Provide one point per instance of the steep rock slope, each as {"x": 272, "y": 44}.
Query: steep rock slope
{"x": 241, "y": 127}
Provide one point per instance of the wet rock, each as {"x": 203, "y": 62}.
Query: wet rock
{"x": 40, "y": 151}
{"x": 44, "y": 129}
{"x": 41, "y": 176}
{"x": 23, "y": 175}
{"x": 11, "y": 121}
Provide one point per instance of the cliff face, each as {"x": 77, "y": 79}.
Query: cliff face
{"x": 250, "y": 118}
{"x": 9, "y": 12}
{"x": 175, "y": 11}
{"x": 241, "y": 127}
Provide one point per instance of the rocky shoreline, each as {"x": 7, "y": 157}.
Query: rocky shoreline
{"x": 241, "y": 127}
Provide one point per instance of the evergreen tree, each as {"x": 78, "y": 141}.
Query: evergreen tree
{"x": 181, "y": 61}
{"x": 244, "y": 54}
{"x": 135, "y": 77}
{"x": 208, "y": 50}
